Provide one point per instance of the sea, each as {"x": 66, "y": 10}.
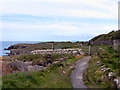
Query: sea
{"x": 6, "y": 44}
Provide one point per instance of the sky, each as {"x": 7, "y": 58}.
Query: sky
{"x": 56, "y": 20}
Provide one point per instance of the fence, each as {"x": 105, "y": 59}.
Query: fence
{"x": 91, "y": 50}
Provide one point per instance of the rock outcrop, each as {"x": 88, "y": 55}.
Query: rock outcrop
{"x": 6, "y": 68}
{"x": 16, "y": 47}
{"x": 34, "y": 68}
{"x": 19, "y": 65}
{"x": 117, "y": 81}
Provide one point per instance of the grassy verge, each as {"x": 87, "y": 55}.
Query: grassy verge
{"x": 55, "y": 76}
{"x": 94, "y": 77}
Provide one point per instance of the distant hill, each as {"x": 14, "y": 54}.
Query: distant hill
{"x": 106, "y": 39}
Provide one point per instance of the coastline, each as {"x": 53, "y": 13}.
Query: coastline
{"x": 6, "y": 44}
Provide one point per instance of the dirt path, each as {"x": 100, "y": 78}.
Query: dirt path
{"x": 77, "y": 74}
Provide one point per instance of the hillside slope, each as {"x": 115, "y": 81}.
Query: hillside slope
{"x": 106, "y": 39}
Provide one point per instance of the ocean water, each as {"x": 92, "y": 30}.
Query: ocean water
{"x": 6, "y": 44}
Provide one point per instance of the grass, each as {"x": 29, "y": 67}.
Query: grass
{"x": 37, "y": 59}
{"x": 113, "y": 35}
{"x": 42, "y": 79}
{"x": 52, "y": 77}
{"x": 93, "y": 74}
{"x": 56, "y": 45}
{"x": 94, "y": 77}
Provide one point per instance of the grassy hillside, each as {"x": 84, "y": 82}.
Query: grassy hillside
{"x": 49, "y": 45}
{"x": 54, "y": 76}
{"x": 110, "y": 36}
{"x": 107, "y": 58}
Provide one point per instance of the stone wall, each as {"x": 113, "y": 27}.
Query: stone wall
{"x": 19, "y": 52}
{"x": 61, "y": 51}
{"x": 106, "y": 42}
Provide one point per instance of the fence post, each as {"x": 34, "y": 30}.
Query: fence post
{"x": 89, "y": 50}
{"x": 52, "y": 47}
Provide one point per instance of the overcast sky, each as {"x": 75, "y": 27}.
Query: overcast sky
{"x": 58, "y": 20}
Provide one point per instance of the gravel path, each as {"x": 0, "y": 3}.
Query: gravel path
{"x": 77, "y": 74}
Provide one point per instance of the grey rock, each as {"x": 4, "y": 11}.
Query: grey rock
{"x": 117, "y": 81}
{"x": 104, "y": 69}
{"x": 98, "y": 63}
{"x": 34, "y": 68}
{"x": 19, "y": 65}
{"x": 110, "y": 74}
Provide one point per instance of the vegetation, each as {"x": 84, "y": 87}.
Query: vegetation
{"x": 37, "y": 59}
{"x": 119, "y": 50}
{"x": 107, "y": 58}
{"x": 97, "y": 37}
{"x": 49, "y": 45}
{"x": 55, "y": 76}
{"x": 58, "y": 75}
{"x": 113, "y": 35}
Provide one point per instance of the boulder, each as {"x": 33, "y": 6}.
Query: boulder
{"x": 98, "y": 63}
{"x": 49, "y": 62}
{"x": 110, "y": 74}
{"x": 55, "y": 62}
{"x": 104, "y": 69}
{"x": 19, "y": 65}
{"x": 15, "y": 47}
{"x": 117, "y": 81}
{"x": 34, "y": 68}
{"x": 102, "y": 66}
{"x": 5, "y": 68}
